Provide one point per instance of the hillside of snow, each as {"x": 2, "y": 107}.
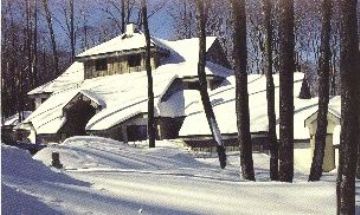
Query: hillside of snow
{"x": 103, "y": 176}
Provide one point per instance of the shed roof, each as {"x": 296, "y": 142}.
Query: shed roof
{"x": 332, "y": 114}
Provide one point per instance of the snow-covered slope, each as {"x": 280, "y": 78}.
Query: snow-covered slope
{"x": 108, "y": 177}
{"x": 94, "y": 153}
{"x": 27, "y": 184}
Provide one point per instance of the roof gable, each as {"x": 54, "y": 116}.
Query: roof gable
{"x": 121, "y": 44}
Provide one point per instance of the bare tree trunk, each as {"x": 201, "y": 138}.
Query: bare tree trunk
{"x": 270, "y": 92}
{"x": 324, "y": 72}
{"x": 28, "y": 41}
{"x": 349, "y": 72}
{"x": 334, "y": 72}
{"x": 242, "y": 97}
{"x": 151, "y": 119}
{"x": 72, "y": 30}
{"x": 201, "y": 7}
{"x": 35, "y": 79}
{"x": 286, "y": 69}
{"x": 85, "y": 40}
{"x": 122, "y": 16}
{"x": 52, "y": 36}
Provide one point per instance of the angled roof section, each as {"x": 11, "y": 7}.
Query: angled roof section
{"x": 186, "y": 50}
{"x": 121, "y": 45}
{"x": 71, "y": 78}
{"x": 119, "y": 97}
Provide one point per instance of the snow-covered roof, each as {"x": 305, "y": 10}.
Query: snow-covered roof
{"x": 48, "y": 118}
{"x": 186, "y": 50}
{"x": 334, "y": 114}
{"x": 120, "y": 44}
{"x": 190, "y": 69}
{"x": 125, "y": 96}
{"x": 183, "y": 59}
{"x": 120, "y": 96}
{"x": 181, "y": 103}
{"x": 14, "y": 119}
{"x": 223, "y": 101}
{"x": 71, "y": 78}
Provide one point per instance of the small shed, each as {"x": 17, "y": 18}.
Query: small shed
{"x": 333, "y": 118}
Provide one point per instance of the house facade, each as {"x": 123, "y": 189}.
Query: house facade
{"x": 104, "y": 92}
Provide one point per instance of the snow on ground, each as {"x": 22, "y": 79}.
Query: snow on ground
{"x": 103, "y": 176}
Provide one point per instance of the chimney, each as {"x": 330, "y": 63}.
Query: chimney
{"x": 130, "y": 29}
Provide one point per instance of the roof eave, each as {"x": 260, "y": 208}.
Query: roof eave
{"x": 153, "y": 49}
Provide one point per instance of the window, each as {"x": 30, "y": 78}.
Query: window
{"x": 101, "y": 64}
{"x": 134, "y": 60}
{"x": 136, "y": 132}
{"x": 193, "y": 85}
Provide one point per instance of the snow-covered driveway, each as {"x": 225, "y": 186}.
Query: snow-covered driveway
{"x": 169, "y": 194}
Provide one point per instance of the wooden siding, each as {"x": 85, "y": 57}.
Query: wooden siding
{"x": 116, "y": 65}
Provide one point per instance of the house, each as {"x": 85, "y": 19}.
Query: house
{"x": 104, "y": 92}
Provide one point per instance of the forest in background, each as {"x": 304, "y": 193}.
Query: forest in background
{"x": 40, "y": 38}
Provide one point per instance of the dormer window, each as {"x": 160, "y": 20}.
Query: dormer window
{"x": 134, "y": 60}
{"x": 101, "y": 64}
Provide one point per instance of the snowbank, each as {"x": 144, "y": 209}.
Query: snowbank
{"x": 101, "y": 153}
{"x": 17, "y": 164}
{"x": 19, "y": 174}
{"x": 163, "y": 180}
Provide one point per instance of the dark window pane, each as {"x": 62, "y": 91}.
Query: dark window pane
{"x": 134, "y": 60}
{"x": 101, "y": 64}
